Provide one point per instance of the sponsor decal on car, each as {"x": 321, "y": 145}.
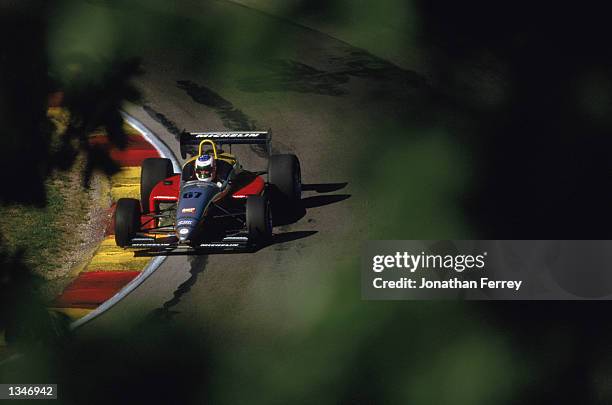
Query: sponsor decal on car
{"x": 188, "y": 210}
{"x": 183, "y": 231}
{"x": 185, "y": 222}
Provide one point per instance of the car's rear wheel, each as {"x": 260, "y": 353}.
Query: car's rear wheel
{"x": 153, "y": 170}
{"x": 286, "y": 177}
{"x": 259, "y": 219}
{"x": 127, "y": 220}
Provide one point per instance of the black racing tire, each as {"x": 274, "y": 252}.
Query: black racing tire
{"x": 285, "y": 175}
{"x": 259, "y": 219}
{"x": 127, "y": 220}
{"x": 153, "y": 170}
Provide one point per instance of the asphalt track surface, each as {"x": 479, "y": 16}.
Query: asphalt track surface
{"x": 318, "y": 98}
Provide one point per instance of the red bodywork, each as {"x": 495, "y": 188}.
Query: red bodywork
{"x": 165, "y": 191}
{"x": 168, "y": 190}
{"x": 255, "y": 187}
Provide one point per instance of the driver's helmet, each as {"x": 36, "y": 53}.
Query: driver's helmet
{"x": 205, "y": 167}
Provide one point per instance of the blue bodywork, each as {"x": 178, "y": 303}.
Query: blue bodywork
{"x": 194, "y": 199}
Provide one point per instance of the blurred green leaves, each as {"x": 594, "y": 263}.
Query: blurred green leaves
{"x": 418, "y": 145}
{"x": 415, "y": 189}
{"x": 79, "y": 28}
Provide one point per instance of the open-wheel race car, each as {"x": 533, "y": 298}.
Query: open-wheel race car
{"x": 213, "y": 203}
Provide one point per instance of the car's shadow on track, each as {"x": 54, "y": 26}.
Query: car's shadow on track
{"x": 324, "y": 187}
{"x": 292, "y": 216}
{"x": 321, "y": 200}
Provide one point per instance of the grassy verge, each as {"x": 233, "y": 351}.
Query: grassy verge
{"x": 42, "y": 233}
{"x": 55, "y": 238}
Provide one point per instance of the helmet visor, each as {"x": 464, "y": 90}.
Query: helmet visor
{"x": 204, "y": 172}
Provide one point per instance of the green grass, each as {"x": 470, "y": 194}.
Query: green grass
{"x": 47, "y": 235}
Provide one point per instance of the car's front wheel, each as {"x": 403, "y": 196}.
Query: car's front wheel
{"x": 127, "y": 220}
{"x": 259, "y": 219}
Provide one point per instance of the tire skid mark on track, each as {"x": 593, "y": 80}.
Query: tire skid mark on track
{"x": 163, "y": 120}
{"x": 291, "y": 75}
{"x": 198, "y": 265}
{"x": 233, "y": 118}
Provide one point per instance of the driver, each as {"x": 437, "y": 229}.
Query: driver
{"x": 206, "y": 169}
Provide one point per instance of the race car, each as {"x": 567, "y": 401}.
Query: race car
{"x": 188, "y": 210}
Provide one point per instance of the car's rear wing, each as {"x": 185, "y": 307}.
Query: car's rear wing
{"x": 190, "y": 141}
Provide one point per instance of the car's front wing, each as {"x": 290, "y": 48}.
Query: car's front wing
{"x": 229, "y": 243}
